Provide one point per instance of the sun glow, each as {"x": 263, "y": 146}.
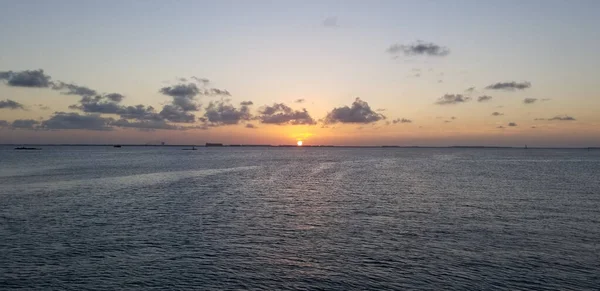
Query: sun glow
{"x": 299, "y": 143}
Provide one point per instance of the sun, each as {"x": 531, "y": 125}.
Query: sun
{"x": 299, "y": 143}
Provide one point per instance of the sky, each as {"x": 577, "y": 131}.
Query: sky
{"x": 408, "y": 73}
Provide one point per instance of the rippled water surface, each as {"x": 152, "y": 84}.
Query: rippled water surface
{"x": 157, "y": 218}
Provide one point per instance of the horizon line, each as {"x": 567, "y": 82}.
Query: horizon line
{"x": 211, "y": 145}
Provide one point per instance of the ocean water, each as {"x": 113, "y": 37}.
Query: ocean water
{"x": 160, "y": 218}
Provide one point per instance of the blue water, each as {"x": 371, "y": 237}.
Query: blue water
{"x": 158, "y": 218}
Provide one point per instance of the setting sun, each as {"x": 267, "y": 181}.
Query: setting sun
{"x": 299, "y": 143}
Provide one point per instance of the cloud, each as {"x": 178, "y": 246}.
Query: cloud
{"x": 72, "y": 89}
{"x": 139, "y": 112}
{"x": 546, "y": 99}
{"x": 250, "y": 125}
{"x": 97, "y": 104}
{"x": 380, "y": 109}
{"x": 145, "y": 125}
{"x": 176, "y": 114}
{"x": 449, "y": 99}
{"x": 562, "y": 118}
{"x": 4, "y": 123}
{"x": 115, "y": 97}
{"x": 500, "y": 126}
{"x": 43, "y": 107}
{"x": 29, "y": 78}
{"x": 246, "y": 103}
{"x": 512, "y": 124}
{"x": 401, "y": 120}
{"x": 202, "y": 81}
{"x": 181, "y": 90}
{"x": 529, "y": 100}
{"x": 497, "y": 113}
{"x": 280, "y": 114}
{"x": 419, "y": 48}
{"x": 470, "y": 90}
{"x": 358, "y": 112}
{"x": 509, "y": 86}
{"x": 330, "y": 21}
{"x": 216, "y": 92}
{"x": 10, "y": 104}
{"x": 453, "y": 117}
{"x": 109, "y": 104}
{"x": 301, "y": 100}
{"x": 64, "y": 120}
{"x": 484, "y": 98}
{"x": 222, "y": 113}
{"x": 183, "y": 102}
{"x": 25, "y": 124}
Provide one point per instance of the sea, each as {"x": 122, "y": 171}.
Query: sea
{"x": 299, "y": 218}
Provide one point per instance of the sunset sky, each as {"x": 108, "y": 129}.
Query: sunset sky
{"x": 435, "y": 73}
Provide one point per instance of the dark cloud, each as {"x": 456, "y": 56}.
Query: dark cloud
{"x": 109, "y": 104}
{"x": 189, "y": 90}
{"x": 401, "y": 120}
{"x": 512, "y": 124}
{"x": 280, "y": 114}
{"x": 222, "y": 113}
{"x": 484, "y": 98}
{"x": 29, "y": 78}
{"x": 330, "y": 21}
{"x": 177, "y": 114}
{"x": 246, "y": 103}
{"x": 185, "y": 103}
{"x": 145, "y": 125}
{"x": 419, "y": 48}
{"x": 497, "y": 113}
{"x": 115, "y": 97}
{"x": 470, "y": 90}
{"x": 10, "y": 104}
{"x": 562, "y": 118}
{"x": 500, "y": 126}
{"x": 139, "y": 112}
{"x": 449, "y": 99}
{"x": 25, "y": 124}
{"x": 72, "y": 89}
{"x": 359, "y": 112}
{"x": 64, "y": 120}
{"x": 529, "y": 100}
{"x": 301, "y": 100}
{"x": 97, "y": 104}
{"x": 4, "y": 123}
{"x": 509, "y": 86}
{"x": 453, "y": 117}
{"x": 250, "y": 125}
